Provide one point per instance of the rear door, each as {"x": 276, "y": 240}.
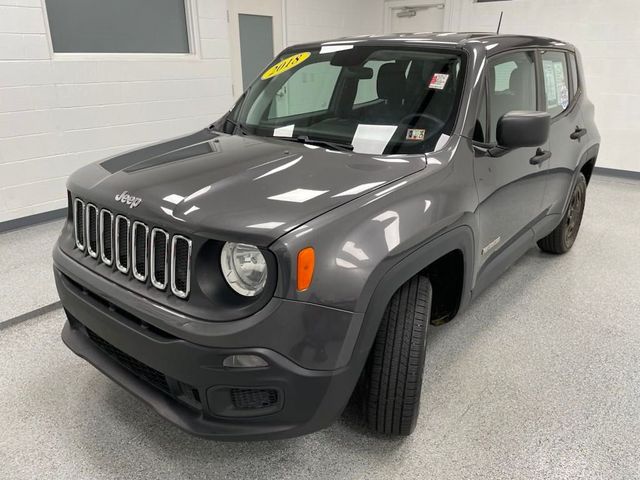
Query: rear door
{"x": 510, "y": 187}
{"x": 566, "y": 139}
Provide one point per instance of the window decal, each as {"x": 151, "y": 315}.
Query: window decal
{"x": 438, "y": 81}
{"x": 286, "y": 64}
{"x": 415, "y": 134}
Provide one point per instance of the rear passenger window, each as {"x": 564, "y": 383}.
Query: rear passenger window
{"x": 512, "y": 86}
{"x": 556, "y": 82}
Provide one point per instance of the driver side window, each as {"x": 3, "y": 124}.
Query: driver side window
{"x": 512, "y": 86}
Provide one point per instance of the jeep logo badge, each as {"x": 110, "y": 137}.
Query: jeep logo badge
{"x": 130, "y": 200}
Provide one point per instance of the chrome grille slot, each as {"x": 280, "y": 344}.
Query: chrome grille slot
{"x": 122, "y": 239}
{"x": 78, "y": 223}
{"x": 159, "y": 257}
{"x": 139, "y": 262}
{"x": 180, "y": 266}
{"x": 106, "y": 237}
{"x": 91, "y": 220}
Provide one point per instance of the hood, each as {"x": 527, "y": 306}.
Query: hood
{"x": 236, "y": 187}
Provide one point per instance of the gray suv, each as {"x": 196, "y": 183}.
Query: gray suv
{"x": 248, "y": 279}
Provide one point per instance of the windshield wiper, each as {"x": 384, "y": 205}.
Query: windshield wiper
{"x": 340, "y": 147}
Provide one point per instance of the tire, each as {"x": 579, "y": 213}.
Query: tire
{"x": 392, "y": 379}
{"x": 564, "y": 235}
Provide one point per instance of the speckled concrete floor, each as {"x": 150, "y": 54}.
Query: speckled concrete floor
{"x": 26, "y": 260}
{"x": 539, "y": 379}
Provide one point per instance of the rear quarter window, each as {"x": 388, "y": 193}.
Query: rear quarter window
{"x": 575, "y": 77}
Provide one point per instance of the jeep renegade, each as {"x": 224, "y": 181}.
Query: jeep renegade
{"x": 246, "y": 279}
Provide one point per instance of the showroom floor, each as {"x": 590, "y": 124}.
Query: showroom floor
{"x": 540, "y": 378}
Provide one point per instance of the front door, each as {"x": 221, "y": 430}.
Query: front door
{"x": 255, "y": 31}
{"x": 511, "y": 186}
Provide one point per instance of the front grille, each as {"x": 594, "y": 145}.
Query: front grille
{"x": 134, "y": 247}
{"x": 180, "y": 260}
{"x": 139, "y": 252}
{"x": 122, "y": 243}
{"x": 106, "y": 237}
{"x": 78, "y": 223}
{"x": 139, "y": 369}
{"x": 92, "y": 230}
{"x": 253, "y": 398}
{"x": 159, "y": 267}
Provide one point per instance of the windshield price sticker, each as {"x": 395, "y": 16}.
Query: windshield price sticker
{"x": 286, "y": 64}
{"x": 438, "y": 81}
{"x": 415, "y": 134}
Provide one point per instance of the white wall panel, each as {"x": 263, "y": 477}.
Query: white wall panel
{"x": 60, "y": 112}
{"x": 15, "y": 19}
{"x": 25, "y": 147}
{"x": 607, "y": 34}
{"x": 21, "y": 3}
{"x": 16, "y": 99}
{"x": 18, "y": 74}
{"x": 45, "y": 191}
{"x": 310, "y": 20}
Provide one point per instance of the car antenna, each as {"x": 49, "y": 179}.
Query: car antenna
{"x": 499, "y": 23}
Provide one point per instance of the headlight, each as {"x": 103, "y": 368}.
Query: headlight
{"x": 244, "y": 268}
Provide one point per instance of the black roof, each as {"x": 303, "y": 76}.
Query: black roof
{"x": 494, "y": 43}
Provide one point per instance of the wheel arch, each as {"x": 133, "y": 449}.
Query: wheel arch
{"x": 587, "y": 163}
{"x": 457, "y": 243}
{"x": 585, "y": 166}
{"x": 587, "y": 169}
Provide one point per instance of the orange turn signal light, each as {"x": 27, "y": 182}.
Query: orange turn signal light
{"x": 306, "y": 263}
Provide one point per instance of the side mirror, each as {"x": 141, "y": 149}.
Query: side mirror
{"x": 519, "y": 129}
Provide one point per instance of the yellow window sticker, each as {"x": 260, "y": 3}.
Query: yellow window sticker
{"x": 286, "y": 64}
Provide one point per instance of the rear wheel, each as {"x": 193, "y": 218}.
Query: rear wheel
{"x": 392, "y": 379}
{"x": 564, "y": 236}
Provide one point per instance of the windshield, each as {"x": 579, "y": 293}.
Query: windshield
{"x": 375, "y": 100}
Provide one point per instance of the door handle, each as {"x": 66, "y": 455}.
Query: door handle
{"x": 541, "y": 156}
{"x": 579, "y": 133}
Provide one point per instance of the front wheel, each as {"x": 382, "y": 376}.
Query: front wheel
{"x": 392, "y": 379}
{"x": 564, "y": 236}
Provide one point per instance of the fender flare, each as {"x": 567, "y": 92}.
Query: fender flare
{"x": 460, "y": 238}
{"x": 589, "y": 154}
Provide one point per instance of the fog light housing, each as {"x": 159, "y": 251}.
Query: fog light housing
{"x": 244, "y": 361}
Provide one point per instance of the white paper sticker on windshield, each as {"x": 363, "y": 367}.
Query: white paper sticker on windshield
{"x": 372, "y": 139}
{"x": 442, "y": 141}
{"x": 286, "y": 131}
{"x": 438, "y": 81}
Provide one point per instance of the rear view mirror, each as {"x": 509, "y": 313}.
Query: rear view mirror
{"x": 519, "y": 129}
{"x": 361, "y": 73}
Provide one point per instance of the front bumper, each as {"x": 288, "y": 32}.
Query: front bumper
{"x": 186, "y": 382}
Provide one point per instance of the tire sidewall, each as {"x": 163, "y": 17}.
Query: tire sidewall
{"x": 581, "y": 185}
